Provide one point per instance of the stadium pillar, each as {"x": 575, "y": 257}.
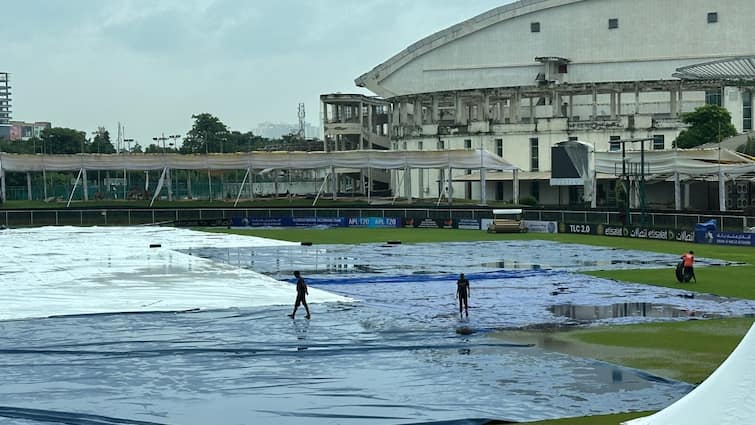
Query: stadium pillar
{"x": 370, "y": 121}
{"x": 188, "y": 184}
{"x": 515, "y": 185}
{"x": 483, "y": 187}
{"x": 618, "y": 103}
{"x": 686, "y": 195}
{"x": 449, "y": 182}
{"x": 436, "y": 109}
{"x": 324, "y": 109}
{"x": 28, "y": 186}
{"x": 613, "y": 105}
{"x": 672, "y": 101}
{"x": 532, "y": 110}
{"x": 408, "y": 184}
{"x": 85, "y": 185}
{"x": 515, "y": 107}
{"x": 2, "y": 184}
{"x": 459, "y": 113}
{"x": 721, "y": 190}
{"x": 677, "y": 192}
{"x": 485, "y": 106}
{"x": 334, "y": 182}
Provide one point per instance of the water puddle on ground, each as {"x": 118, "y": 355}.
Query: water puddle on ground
{"x": 592, "y": 313}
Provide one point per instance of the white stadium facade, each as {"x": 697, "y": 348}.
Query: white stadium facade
{"x": 523, "y": 77}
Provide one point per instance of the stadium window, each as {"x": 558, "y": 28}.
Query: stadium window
{"x": 535, "y": 27}
{"x": 613, "y": 23}
{"x": 534, "y": 154}
{"x": 441, "y": 145}
{"x": 659, "y": 142}
{"x": 573, "y": 138}
{"x": 419, "y": 145}
{"x": 712, "y": 17}
{"x": 563, "y": 68}
{"x": 467, "y": 143}
{"x": 499, "y": 147}
{"x": 613, "y": 145}
{"x": 747, "y": 111}
{"x": 713, "y": 97}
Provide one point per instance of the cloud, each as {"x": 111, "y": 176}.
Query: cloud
{"x": 152, "y": 64}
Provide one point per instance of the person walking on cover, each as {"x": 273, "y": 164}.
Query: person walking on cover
{"x": 688, "y": 261}
{"x": 301, "y": 295}
{"x": 462, "y": 293}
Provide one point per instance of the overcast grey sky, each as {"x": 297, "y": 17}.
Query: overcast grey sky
{"x": 151, "y": 64}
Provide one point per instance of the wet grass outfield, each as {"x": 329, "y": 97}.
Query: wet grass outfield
{"x": 688, "y": 350}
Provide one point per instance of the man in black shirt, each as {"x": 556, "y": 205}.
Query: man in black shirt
{"x": 462, "y": 293}
{"x": 301, "y": 295}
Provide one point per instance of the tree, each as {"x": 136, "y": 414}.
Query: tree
{"x": 243, "y": 142}
{"x": 101, "y": 143}
{"x": 137, "y": 148}
{"x": 18, "y": 146}
{"x": 709, "y": 124}
{"x": 208, "y": 134}
{"x": 58, "y": 140}
{"x": 747, "y": 148}
{"x": 153, "y": 149}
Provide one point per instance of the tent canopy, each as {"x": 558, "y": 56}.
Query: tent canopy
{"x": 692, "y": 163}
{"x": 465, "y": 159}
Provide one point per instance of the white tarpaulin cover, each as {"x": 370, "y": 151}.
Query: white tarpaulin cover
{"x": 690, "y": 162}
{"x": 465, "y": 159}
{"x": 54, "y": 271}
{"x": 725, "y": 398}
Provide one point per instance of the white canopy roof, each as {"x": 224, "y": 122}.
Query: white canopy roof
{"x": 688, "y": 162}
{"x": 725, "y": 398}
{"x": 739, "y": 68}
{"x": 466, "y": 159}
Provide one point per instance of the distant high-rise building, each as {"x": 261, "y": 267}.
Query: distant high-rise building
{"x": 4, "y": 106}
{"x": 20, "y": 130}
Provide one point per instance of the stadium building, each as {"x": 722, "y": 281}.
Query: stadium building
{"x": 521, "y": 78}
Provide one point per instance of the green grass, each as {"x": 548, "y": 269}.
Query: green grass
{"x": 688, "y": 351}
{"x": 594, "y": 420}
{"x": 730, "y": 281}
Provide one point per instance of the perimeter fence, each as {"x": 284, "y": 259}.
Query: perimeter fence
{"x": 222, "y": 216}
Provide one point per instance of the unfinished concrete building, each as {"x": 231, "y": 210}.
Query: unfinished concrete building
{"x": 523, "y": 77}
{"x": 357, "y": 122}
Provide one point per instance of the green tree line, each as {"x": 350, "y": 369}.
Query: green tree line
{"x": 208, "y": 134}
